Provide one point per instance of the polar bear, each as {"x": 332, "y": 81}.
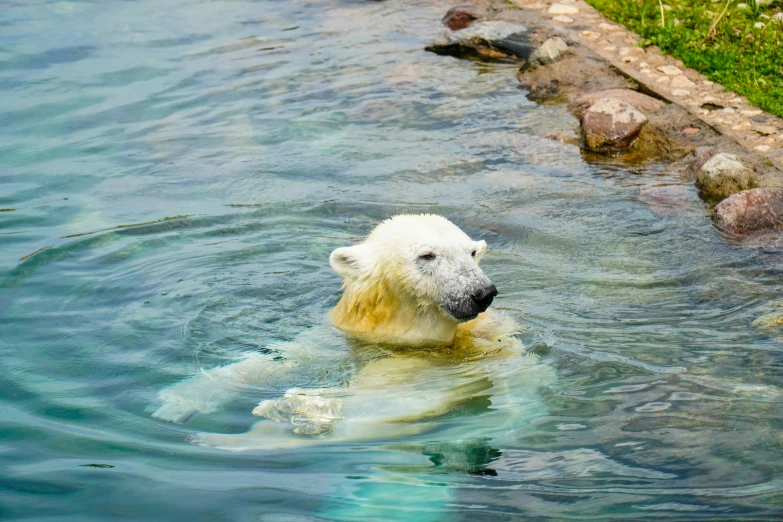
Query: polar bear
{"x": 414, "y": 311}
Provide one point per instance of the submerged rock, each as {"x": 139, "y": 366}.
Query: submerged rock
{"x": 485, "y": 41}
{"x": 549, "y": 52}
{"x": 635, "y": 99}
{"x": 568, "y": 137}
{"x": 750, "y": 211}
{"x": 460, "y": 17}
{"x": 723, "y": 175}
{"x": 610, "y": 125}
{"x": 547, "y": 92}
{"x": 665, "y": 200}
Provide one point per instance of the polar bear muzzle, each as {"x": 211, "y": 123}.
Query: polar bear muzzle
{"x": 468, "y": 294}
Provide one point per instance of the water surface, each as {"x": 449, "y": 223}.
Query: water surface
{"x": 173, "y": 177}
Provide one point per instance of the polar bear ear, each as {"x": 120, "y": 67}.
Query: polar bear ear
{"x": 481, "y": 247}
{"x": 350, "y": 261}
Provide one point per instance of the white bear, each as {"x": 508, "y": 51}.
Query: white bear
{"x": 414, "y": 311}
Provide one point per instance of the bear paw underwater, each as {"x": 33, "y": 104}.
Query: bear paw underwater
{"x": 414, "y": 308}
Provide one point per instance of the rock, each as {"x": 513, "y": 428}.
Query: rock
{"x": 670, "y": 70}
{"x": 460, "y": 17}
{"x": 610, "y": 125}
{"x": 723, "y": 175}
{"x": 765, "y": 130}
{"x": 568, "y": 137}
{"x": 549, "y": 52}
{"x": 665, "y": 200}
{"x": 682, "y": 82}
{"x": 485, "y": 41}
{"x": 546, "y": 92}
{"x": 753, "y": 210}
{"x": 631, "y": 51}
{"x": 562, "y": 9}
{"x": 637, "y": 100}
{"x": 700, "y": 157}
{"x": 691, "y": 131}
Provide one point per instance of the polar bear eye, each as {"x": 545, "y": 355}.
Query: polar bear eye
{"x": 473, "y": 254}
{"x": 427, "y": 257}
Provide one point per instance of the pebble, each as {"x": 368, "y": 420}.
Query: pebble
{"x": 670, "y": 70}
{"x": 634, "y": 51}
{"x": 629, "y": 59}
{"x": 682, "y": 82}
{"x": 663, "y": 79}
{"x": 681, "y": 92}
{"x": 762, "y": 148}
{"x": 563, "y": 19}
{"x": 563, "y": 9}
{"x": 691, "y": 131}
{"x": 610, "y": 48}
{"x": 607, "y": 27}
{"x": 754, "y": 112}
{"x": 765, "y": 130}
{"x": 590, "y": 35}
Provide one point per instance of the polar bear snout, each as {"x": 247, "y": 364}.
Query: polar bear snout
{"x": 467, "y": 295}
{"x": 484, "y": 296}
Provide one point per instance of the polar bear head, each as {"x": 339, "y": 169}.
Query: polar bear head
{"x": 411, "y": 281}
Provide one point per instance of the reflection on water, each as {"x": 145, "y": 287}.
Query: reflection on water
{"x": 269, "y": 134}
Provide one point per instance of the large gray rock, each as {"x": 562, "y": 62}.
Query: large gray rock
{"x": 492, "y": 40}
{"x": 610, "y": 125}
{"x": 750, "y": 211}
{"x": 637, "y": 100}
{"x": 549, "y": 52}
{"x": 723, "y": 175}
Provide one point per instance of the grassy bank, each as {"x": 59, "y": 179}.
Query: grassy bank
{"x": 739, "y": 45}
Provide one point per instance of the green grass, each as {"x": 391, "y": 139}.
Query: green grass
{"x": 743, "y": 58}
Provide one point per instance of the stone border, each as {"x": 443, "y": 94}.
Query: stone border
{"x": 663, "y": 76}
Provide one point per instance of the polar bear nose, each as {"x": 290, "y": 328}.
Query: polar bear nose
{"x": 483, "y": 297}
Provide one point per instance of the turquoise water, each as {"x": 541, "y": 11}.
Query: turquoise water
{"x": 173, "y": 176}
